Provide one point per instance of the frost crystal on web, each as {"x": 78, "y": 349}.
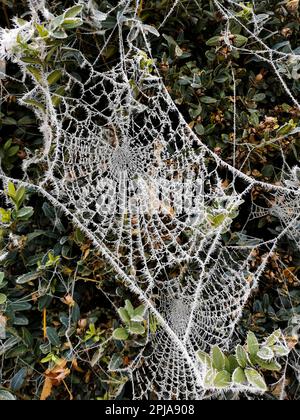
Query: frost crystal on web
{"x": 120, "y": 160}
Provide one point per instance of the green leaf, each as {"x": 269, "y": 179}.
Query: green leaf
{"x": 214, "y": 41}
{"x": 136, "y": 328}
{"x": 5, "y": 216}
{"x": 18, "y": 379}
{"x": 21, "y": 22}
{"x": 20, "y": 306}
{"x": 97, "y": 356}
{"x": 51, "y": 53}
{"x": 25, "y": 213}
{"x": 227, "y": 365}
{"x": 148, "y": 28}
{"x": 266, "y": 353}
{"x": 241, "y": 357}
{"x": 53, "y": 337}
{"x": 31, "y": 60}
{"x": 35, "y": 104}
{"x": 139, "y": 311}
{"x": 6, "y": 396}
{"x": 124, "y": 315}
{"x": 9, "y": 344}
{"x": 20, "y": 196}
{"x": 252, "y": 344}
{"x": 285, "y": 129}
{"x": 268, "y": 170}
{"x": 222, "y": 380}
{"x": 153, "y": 324}
{"x": 25, "y": 121}
{"x": 7, "y": 145}
{"x": 72, "y": 23}
{"x": 11, "y": 190}
{"x": 2, "y": 277}
{"x": 129, "y": 308}
{"x": 73, "y": 11}
{"x": 254, "y": 119}
{"x": 217, "y": 220}
{"x": 272, "y": 366}
{"x": 79, "y": 236}
{"x": 274, "y": 338}
{"x": 170, "y": 40}
{"x": 239, "y": 377}
{"x": 281, "y": 351}
{"x": 204, "y": 358}
{"x": 21, "y": 320}
{"x": 115, "y": 362}
{"x": 59, "y": 34}
{"x": 259, "y": 97}
{"x": 3, "y": 298}
{"x": 50, "y": 357}
{"x": 43, "y": 32}
{"x": 240, "y": 40}
{"x": 138, "y": 315}
{"x": 56, "y": 99}
{"x": 54, "y": 77}
{"x": 35, "y": 72}
{"x": 233, "y": 364}
{"x": 28, "y": 277}
{"x": 178, "y": 51}
{"x": 13, "y": 151}
{"x": 256, "y": 380}
{"x": 18, "y": 351}
{"x": 120, "y": 334}
{"x": 200, "y": 130}
{"x": 209, "y": 378}
{"x": 56, "y": 22}
{"x": 208, "y": 100}
{"x": 9, "y": 121}
{"x": 218, "y": 358}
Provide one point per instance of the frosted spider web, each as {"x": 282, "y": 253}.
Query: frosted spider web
{"x": 120, "y": 160}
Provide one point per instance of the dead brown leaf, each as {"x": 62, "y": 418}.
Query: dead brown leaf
{"x": 293, "y": 6}
{"x": 68, "y": 300}
{"x": 76, "y": 367}
{"x": 47, "y": 389}
{"x": 54, "y": 377}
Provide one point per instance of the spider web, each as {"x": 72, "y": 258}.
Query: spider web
{"x": 120, "y": 160}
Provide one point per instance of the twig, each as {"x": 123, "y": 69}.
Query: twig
{"x": 140, "y": 10}
{"x": 68, "y": 390}
{"x": 45, "y": 323}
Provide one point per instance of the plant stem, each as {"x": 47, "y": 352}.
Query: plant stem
{"x": 140, "y": 8}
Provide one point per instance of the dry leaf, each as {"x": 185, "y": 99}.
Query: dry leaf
{"x": 47, "y": 389}
{"x": 68, "y": 300}
{"x": 54, "y": 377}
{"x": 293, "y": 6}
{"x": 292, "y": 342}
{"x": 76, "y": 367}
{"x": 279, "y": 390}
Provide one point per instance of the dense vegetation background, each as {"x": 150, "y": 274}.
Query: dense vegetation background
{"x": 55, "y": 289}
